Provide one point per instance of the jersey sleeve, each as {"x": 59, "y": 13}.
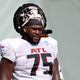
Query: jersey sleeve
{"x": 7, "y": 51}
{"x": 54, "y": 44}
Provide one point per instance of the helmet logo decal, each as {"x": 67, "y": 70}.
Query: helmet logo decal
{"x": 30, "y": 13}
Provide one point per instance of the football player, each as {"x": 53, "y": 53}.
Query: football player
{"x": 47, "y": 38}
{"x": 29, "y": 57}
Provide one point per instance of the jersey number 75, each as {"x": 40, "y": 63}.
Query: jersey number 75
{"x": 37, "y": 61}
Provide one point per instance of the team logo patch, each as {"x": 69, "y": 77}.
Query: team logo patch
{"x": 46, "y": 43}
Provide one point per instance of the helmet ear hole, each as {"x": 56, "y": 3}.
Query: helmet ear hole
{"x": 24, "y": 29}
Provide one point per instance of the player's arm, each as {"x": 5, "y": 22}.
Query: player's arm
{"x": 55, "y": 71}
{"x": 6, "y": 69}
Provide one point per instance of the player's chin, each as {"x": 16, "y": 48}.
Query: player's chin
{"x": 36, "y": 40}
